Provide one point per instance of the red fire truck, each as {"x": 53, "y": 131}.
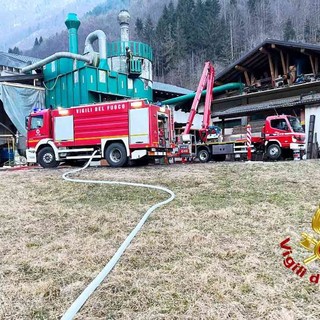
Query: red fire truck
{"x": 119, "y": 130}
{"x": 280, "y": 134}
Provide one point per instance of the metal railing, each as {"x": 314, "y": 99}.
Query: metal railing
{"x": 9, "y": 142}
{"x": 138, "y": 49}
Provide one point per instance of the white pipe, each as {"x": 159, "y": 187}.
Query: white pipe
{"x": 79, "y": 302}
{"x": 55, "y": 57}
{"x": 92, "y": 37}
{"x": 20, "y": 85}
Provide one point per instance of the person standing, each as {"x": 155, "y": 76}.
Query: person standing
{"x": 129, "y": 57}
{"x": 292, "y": 74}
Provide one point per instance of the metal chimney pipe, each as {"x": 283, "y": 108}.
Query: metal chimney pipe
{"x": 88, "y": 47}
{"x": 56, "y": 56}
{"x": 124, "y": 18}
{"x": 73, "y": 24}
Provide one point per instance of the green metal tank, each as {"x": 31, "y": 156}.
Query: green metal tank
{"x": 70, "y": 82}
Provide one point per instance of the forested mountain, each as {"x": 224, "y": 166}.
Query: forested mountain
{"x": 21, "y": 21}
{"x": 104, "y": 17}
{"x": 185, "y": 33}
{"x": 193, "y": 31}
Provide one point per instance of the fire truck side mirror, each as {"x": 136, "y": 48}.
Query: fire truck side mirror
{"x": 27, "y": 123}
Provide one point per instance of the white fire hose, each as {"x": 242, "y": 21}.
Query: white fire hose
{"x": 79, "y": 302}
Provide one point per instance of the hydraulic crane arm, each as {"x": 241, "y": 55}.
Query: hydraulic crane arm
{"x": 207, "y": 79}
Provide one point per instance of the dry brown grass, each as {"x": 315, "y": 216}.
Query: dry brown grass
{"x": 213, "y": 253}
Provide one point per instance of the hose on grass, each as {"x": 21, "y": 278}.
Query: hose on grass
{"x": 83, "y": 297}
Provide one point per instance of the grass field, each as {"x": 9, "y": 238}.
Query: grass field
{"x": 212, "y": 253}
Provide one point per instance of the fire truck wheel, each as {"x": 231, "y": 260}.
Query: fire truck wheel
{"x": 274, "y": 152}
{"x": 204, "y": 155}
{"x": 116, "y": 155}
{"x": 47, "y": 158}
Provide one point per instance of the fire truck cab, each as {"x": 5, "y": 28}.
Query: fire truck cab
{"x": 281, "y": 133}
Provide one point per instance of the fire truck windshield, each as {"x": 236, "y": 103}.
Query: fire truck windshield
{"x": 36, "y": 122}
{"x": 295, "y": 124}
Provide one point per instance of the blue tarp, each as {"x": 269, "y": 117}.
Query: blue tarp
{"x": 18, "y": 102}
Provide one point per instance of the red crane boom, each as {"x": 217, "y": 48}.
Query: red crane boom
{"x": 206, "y": 80}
